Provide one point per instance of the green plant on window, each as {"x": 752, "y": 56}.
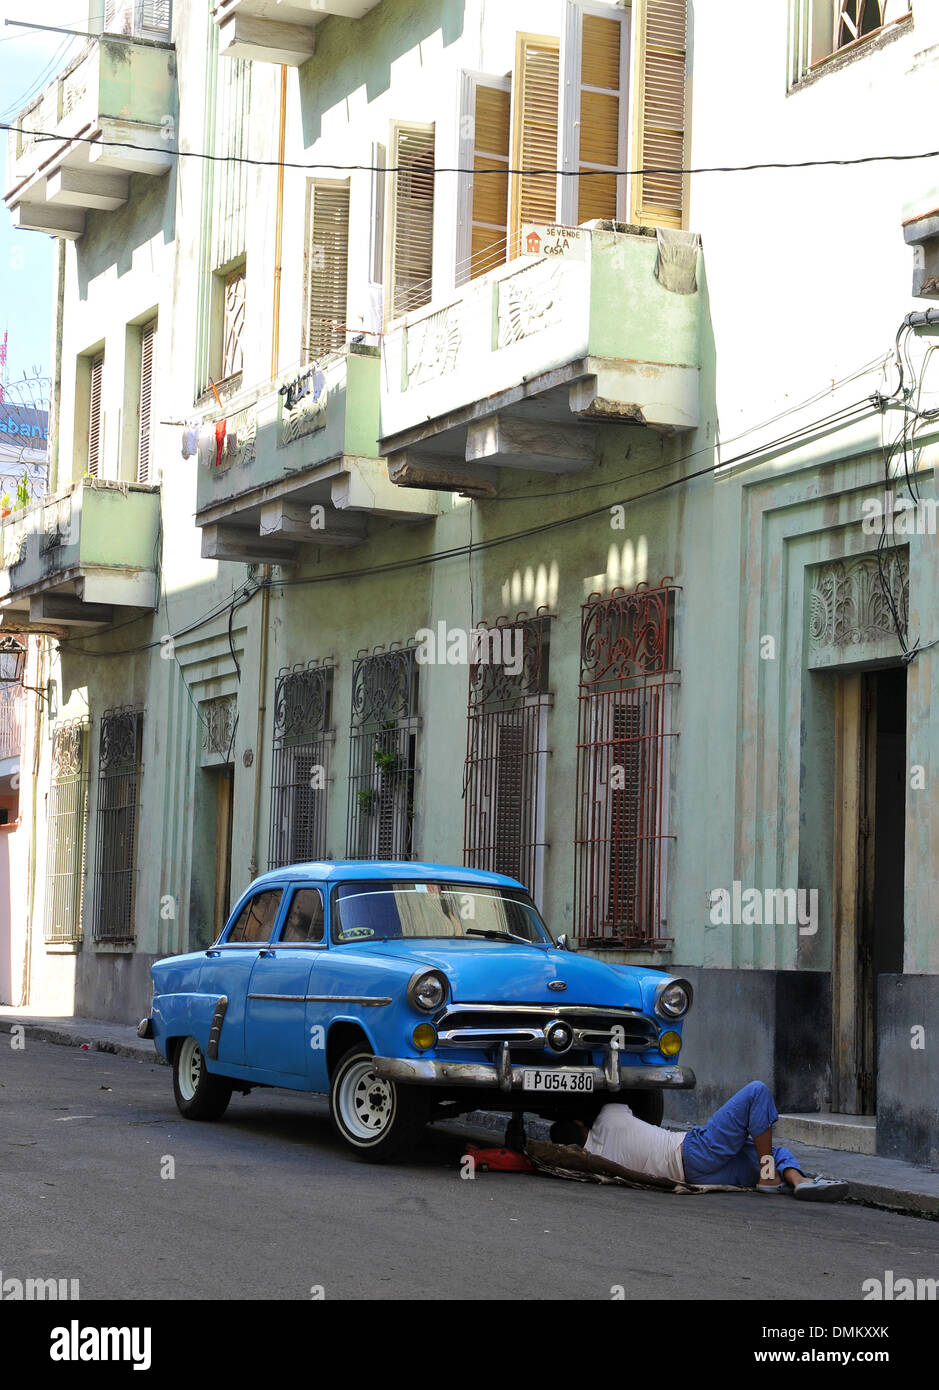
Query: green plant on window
{"x": 23, "y": 494}
{"x": 366, "y": 799}
{"x": 386, "y": 760}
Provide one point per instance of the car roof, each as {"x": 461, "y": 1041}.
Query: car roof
{"x": 332, "y": 870}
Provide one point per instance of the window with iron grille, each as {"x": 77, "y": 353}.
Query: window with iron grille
{"x": 382, "y": 755}
{"x": 506, "y": 750}
{"x": 624, "y": 737}
{"x": 65, "y": 849}
{"x": 119, "y": 770}
{"x": 233, "y": 323}
{"x": 303, "y": 699}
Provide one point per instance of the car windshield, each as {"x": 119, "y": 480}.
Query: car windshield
{"x": 381, "y": 910}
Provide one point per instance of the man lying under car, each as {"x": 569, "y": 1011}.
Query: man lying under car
{"x": 735, "y": 1148}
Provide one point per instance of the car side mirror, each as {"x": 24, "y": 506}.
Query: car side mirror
{"x": 564, "y": 943}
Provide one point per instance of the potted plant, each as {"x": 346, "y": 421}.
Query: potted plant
{"x": 5, "y": 508}
{"x": 23, "y": 494}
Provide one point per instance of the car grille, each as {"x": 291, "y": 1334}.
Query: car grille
{"x": 523, "y": 1026}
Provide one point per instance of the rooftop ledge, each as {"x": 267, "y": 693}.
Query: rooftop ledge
{"x": 70, "y": 560}
{"x": 522, "y": 366}
{"x": 278, "y": 31}
{"x": 109, "y": 114}
{"x": 300, "y": 466}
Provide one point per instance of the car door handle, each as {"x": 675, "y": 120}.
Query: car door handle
{"x": 266, "y": 953}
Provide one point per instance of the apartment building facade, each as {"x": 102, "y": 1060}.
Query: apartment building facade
{"x": 410, "y": 504}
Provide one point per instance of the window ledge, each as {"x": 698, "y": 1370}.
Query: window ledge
{"x": 115, "y": 948}
{"x": 853, "y": 52}
{"x": 62, "y": 948}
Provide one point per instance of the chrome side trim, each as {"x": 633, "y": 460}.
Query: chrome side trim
{"x": 421, "y": 1071}
{"x": 218, "y": 1018}
{"x": 370, "y": 1000}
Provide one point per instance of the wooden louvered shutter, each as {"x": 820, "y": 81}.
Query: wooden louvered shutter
{"x": 489, "y": 229}
{"x": 535, "y": 126}
{"x": 327, "y": 270}
{"x": 601, "y": 124}
{"x": 145, "y": 422}
{"x": 412, "y": 252}
{"x": 94, "y": 414}
{"x": 661, "y": 123}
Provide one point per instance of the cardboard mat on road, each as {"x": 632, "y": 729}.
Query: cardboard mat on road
{"x": 571, "y": 1161}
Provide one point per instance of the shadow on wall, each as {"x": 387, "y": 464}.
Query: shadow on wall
{"x": 352, "y": 53}
{"x": 111, "y": 238}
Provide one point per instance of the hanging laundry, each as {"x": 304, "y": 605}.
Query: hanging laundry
{"x": 221, "y": 432}
{"x": 206, "y": 446}
{"x": 190, "y": 439}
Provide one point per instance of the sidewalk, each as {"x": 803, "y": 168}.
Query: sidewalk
{"x": 882, "y": 1182}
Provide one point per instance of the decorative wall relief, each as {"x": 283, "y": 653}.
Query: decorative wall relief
{"x": 530, "y": 301}
{"x": 302, "y": 405}
{"x": 219, "y": 719}
{"x": 433, "y": 345}
{"x": 856, "y": 601}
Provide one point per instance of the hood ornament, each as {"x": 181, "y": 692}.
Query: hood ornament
{"x": 557, "y": 985}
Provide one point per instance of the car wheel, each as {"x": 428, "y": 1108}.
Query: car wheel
{"x": 645, "y": 1105}
{"x": 199, "y": 1094}
{"x": 378, "y": 1118}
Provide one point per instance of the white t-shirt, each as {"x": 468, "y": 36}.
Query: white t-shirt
{"x": 617, "y": 1135}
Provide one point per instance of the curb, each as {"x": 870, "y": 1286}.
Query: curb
{"x": 65, "y": 1037}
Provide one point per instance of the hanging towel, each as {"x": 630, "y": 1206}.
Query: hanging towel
{"x": 677, "y": 259}
{"x": 221, "y": 432}
{"x": 206, "y": 446}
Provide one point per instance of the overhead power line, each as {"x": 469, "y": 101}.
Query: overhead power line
{"x": 42, "y": 135}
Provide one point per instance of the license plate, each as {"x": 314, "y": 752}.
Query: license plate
{"x": 557, "y": 1081}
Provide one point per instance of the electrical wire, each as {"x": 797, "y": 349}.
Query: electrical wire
{"x": 500, "y": 171}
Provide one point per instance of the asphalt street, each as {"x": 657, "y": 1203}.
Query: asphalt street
{"x": 267, "y": 1204}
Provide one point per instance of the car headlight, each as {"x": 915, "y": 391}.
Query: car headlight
{"x": 673, "y": 998}
{"x": 427, "y": 991}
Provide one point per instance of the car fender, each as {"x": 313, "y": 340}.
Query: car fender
{"x": 184, "y": 1016}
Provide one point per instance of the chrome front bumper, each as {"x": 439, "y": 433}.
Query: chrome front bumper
{"x": 505, "y": 1076}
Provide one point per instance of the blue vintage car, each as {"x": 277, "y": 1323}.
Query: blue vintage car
{"x": 410, "y": 992}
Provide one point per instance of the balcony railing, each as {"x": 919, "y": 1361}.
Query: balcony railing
{"x": 111, "y": 113}
{"x": 278, "y": 31}
{"x": 518, "y": 367}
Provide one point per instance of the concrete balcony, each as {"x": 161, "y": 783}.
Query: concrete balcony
{"x": 278, "y": 31}
{"x": 75, "y": 559}
{"x": 300, "y": 466}
{"x": 110, "y": 114}
{"x": 521, "y": 366}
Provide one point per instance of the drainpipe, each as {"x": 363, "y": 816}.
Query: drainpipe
{"x": 33, "y": 821}
{"x": 279, "y": 223}
{"x": 262, "y": 686}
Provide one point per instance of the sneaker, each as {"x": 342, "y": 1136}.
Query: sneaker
{"x": 778, "y": 1188}
{"x": 821, "y": 1190}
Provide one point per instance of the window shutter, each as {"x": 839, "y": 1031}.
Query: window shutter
{"x": 147, "y": 361}
{"x": 601, "y": 124}
{"x": 489, "y": 227}
{"x": 412, "y": 256}
{"x": 327, "y": 270}
{"x": 535, "y": 126}
{"x": 94, "y": 415}
{"x": 659, "y": 198}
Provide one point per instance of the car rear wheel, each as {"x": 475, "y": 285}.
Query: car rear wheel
{"x": 376, "y": 1117}
{"x": 199, "y": 1094}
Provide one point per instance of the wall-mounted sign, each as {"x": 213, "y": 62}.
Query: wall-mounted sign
{"x": 541, "y": 239}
